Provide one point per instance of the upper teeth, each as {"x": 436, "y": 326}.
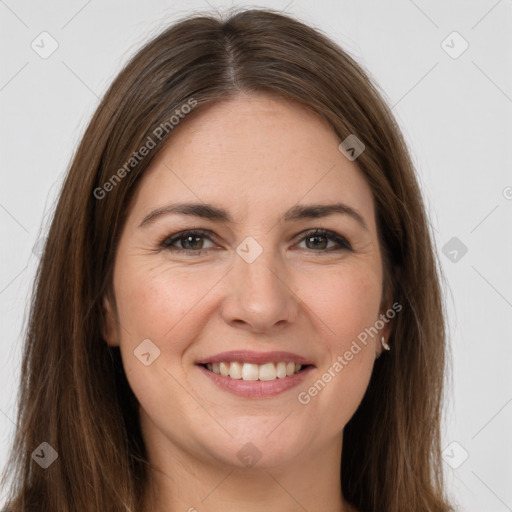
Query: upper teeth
{"x": 249, "y": 371}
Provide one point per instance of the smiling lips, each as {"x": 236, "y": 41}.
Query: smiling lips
{"x": 255, "y": 374}
{"x": 250, "y": 371}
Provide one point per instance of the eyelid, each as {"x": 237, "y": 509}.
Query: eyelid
{"x": 205, "y": 233}
{"x": 343, "y": 243}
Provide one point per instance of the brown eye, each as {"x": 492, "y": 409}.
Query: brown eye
{"x": 318, "y": 240}
{"x": 192, "y": 242}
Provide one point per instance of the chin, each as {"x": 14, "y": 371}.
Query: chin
{"x": 260, "y": 450}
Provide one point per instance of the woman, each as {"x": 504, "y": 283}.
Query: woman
{"x": 238, "y": 306}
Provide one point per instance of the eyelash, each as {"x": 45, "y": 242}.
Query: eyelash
{"x": 167, "y": 242}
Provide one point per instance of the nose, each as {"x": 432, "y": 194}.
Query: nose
{"x": 259, "y": 295}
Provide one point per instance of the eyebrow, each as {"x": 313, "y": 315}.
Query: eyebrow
{"x": 214, "y": 213}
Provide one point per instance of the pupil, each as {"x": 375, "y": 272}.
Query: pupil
{"x": 188, "y": 239}
{"x": 317, "y": 237}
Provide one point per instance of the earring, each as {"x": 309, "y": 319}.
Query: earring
{"x": 385, "y": 346}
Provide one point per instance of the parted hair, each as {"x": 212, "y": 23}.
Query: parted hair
{"x": 73, "y": 392}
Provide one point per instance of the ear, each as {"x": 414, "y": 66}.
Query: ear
{"x": 387, "y": 311}
{"x": 109, "y": 329}
{"x": 385, "y": 331}
{"x": 388, "y": 321}
{"x": 379, "y": 348}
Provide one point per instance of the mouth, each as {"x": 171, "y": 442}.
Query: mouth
{"x": 251, "y": 365}
{"x": 249, "y": 371}
{"x": 255, "y": 374}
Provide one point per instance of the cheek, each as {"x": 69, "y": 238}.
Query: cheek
{"x": 347, "y": 301}
{"x": 346, "y": 304}
{"x": 156, "y": 300}
{"x": 169, "y": 305}
{"x": 163, "y": 305}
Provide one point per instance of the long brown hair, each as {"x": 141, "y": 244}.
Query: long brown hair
{"x": 74, "y": 394}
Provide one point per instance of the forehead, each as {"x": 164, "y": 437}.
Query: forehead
{"x": 254, "y": 153}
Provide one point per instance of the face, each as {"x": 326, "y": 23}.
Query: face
{"x": 250, "y": 273}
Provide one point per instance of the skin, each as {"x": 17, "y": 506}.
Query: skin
{"x": 256, "y": 156}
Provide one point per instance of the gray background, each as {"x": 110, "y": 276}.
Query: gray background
{"x": 454, "y": 108}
